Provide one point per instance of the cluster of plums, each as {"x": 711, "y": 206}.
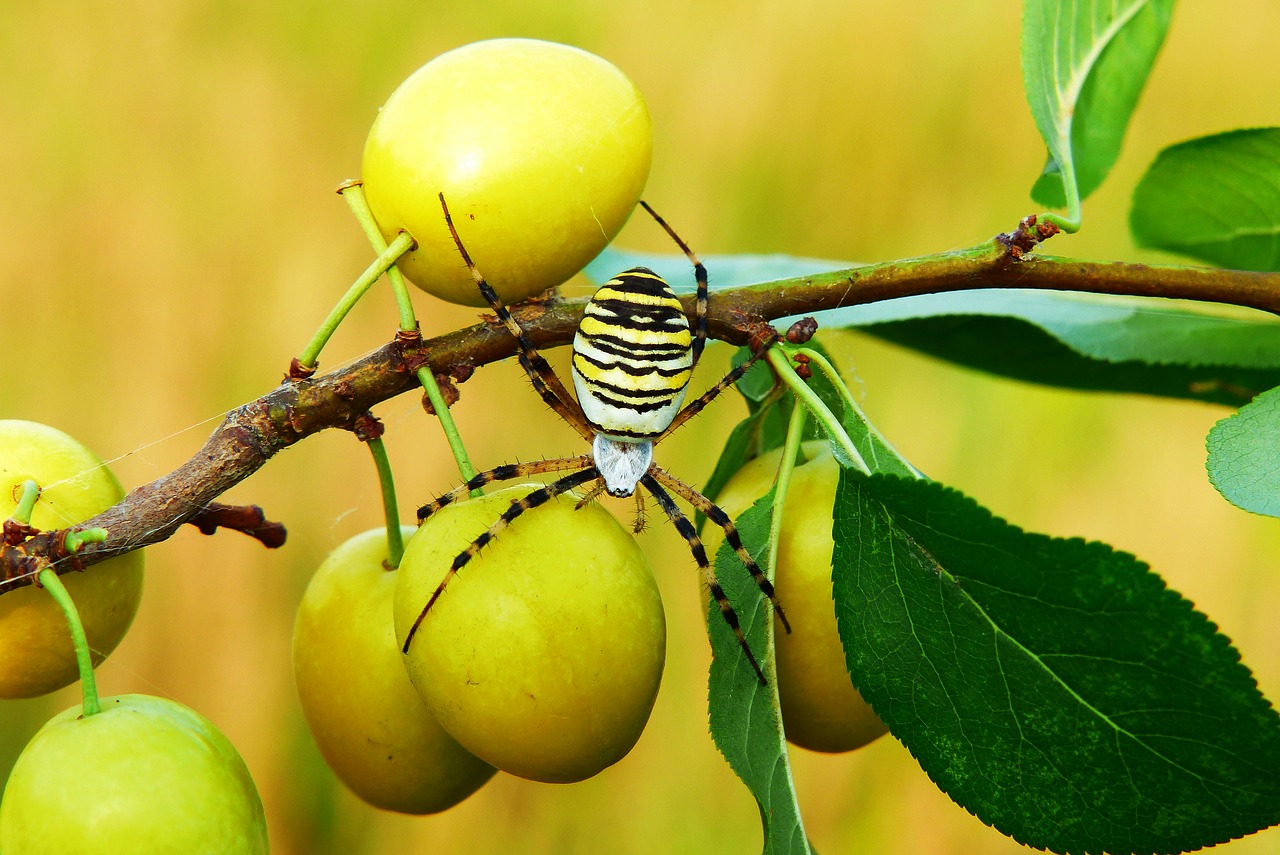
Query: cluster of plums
{"x": 544, "y": 657}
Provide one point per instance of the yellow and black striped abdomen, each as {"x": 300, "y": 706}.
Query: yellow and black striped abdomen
{"x": 632, "y": 357}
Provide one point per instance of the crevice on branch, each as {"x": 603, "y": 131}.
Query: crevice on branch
{"x": 254, "y": 432}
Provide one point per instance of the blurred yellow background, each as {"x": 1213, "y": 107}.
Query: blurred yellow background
{"x": 170, "y": 239}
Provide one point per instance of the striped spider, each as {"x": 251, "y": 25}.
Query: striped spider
{"x": 633, "y": 356}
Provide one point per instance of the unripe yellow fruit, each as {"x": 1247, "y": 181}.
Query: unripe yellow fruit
{"x": 36, "y": 653}
{"x": 821, "y": 710}
{"x": 370, "y": 724}
{"x": 144, "y": 775}
{"x": 544, "y": 654}
{"x": 541, "y": 150}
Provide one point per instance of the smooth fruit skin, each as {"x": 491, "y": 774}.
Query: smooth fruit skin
{"x": 821, "y": 710}
{"x": 543, "y": 656}
{"x": 36, "y": 655}
{"x": 370, "y": 724}
{"x": 145, "y": 775}
{"x": 541, "y": 150}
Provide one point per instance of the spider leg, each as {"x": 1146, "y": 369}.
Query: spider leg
{"x": 700, "y": 274}
{"x": 544, "y": 380}
{"x": 640, "y": 521}
{"x": 720, "y": 518}
{"x": 503, "y": 473}
{"x": 682, "y": 524}
{"x": 591, "y": 496}
{"x": 698, "y": 404}
{"x": 517, "y": 507}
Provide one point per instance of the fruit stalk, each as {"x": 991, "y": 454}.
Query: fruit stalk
{"x": 354, "y": 195}
{"x": 385, "y": 260}
{"x": 795, "y": 434}
{"x": 49, "y": 580}
{"x": 395, "y": 540}
{"x": 26, "y": 503}
{"x": 465, "y": 468}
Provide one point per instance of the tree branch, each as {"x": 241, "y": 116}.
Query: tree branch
{"x": 251, "y": 434}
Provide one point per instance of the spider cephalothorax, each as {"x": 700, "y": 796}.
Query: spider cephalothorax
{"x": 633, "y": 356}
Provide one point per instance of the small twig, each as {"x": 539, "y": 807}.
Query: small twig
{"x": 248, "y": 519}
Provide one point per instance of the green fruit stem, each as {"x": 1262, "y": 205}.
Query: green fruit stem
{"x": 790, "y": 449}
{"x": 395, "y": 540}
{"x": 49, "y": 580}
{"x": 354, "y": 194}
{"x": 26, "y": 503}
{"x": 385, "y": 260}
{"x": 447, "y": 424}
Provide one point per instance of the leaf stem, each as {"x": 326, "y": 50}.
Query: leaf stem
{"x": 851, "y": 406}
{"x": 49, "y": 580}
{"x": 780, "y": 358}
{"x": 395, "y": 540}
{"x": 1069, "y": 224}
{"x": 402, "y": 244}
{"x": 1071, "y": 189}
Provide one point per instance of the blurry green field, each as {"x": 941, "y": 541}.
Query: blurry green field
{"x": 170, "y": 238}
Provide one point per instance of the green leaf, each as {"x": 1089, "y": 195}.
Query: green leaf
{"x": 1054, "y": 688}
{"x": 757, "y": 383}
{"x": 763, "y": 429}
{"x": 1100, "y": 326}
{"x": 1021, "y": 350}
{"x": 1243, "y": 464}
{"x": 1215, "y": 198}
{"x": 723, "y": 271}
{"x": 743, "y": 444}
{"x": 1086, "y": 341}
{"x": 745, "y": 720}
{"x": 876, "y": 452}
{"x": 1084, "y": 63}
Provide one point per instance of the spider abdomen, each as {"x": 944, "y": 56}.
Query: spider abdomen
{"x": 632, "y": 356}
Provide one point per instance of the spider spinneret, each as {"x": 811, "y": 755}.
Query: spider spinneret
{"x": 633, "y": 356}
